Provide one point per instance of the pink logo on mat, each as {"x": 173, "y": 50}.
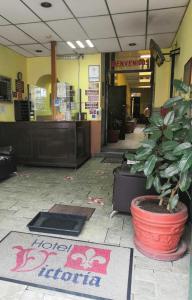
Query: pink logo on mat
{"x": 88, "y": 259}
{"x": 28, "y": 260}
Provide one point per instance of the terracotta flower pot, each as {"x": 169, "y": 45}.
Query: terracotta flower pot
{"x": 157, "y": 235}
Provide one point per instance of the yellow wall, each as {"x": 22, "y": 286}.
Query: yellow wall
{"x": 10, "y": 64}
{"x": 162, "y": 82}
{"x": 183, "y": 40}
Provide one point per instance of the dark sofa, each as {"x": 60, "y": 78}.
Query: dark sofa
{"x": 7, "y": 162}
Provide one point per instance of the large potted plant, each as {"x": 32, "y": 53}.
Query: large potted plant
{"x": 166, "y": 160}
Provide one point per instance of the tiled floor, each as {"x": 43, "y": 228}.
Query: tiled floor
{"x": 37, "y": 189}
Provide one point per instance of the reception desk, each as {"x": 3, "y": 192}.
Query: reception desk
{"x": 51, "y": 143}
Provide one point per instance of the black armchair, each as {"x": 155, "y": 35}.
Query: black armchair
{"x": 7, "y": 162}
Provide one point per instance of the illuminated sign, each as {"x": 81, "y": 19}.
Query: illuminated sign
{"x": 131, "y": 63}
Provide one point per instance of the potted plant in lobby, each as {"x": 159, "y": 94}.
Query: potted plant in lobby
{"x": 166, "y": 159}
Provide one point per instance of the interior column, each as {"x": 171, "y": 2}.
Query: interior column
{"x": 53, "y": 77}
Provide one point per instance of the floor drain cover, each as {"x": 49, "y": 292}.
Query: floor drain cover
{"x": 57, "y": 223}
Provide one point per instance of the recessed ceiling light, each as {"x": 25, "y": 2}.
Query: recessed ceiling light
{"x": 144, "y": 86}
{"x": 71, "y": 45}
{"x": 80, "y": 44}
{"x": 38, "y": 51}
{"x": 144, "y": 73}
{"x": 89, "y": 43}
{"x": 46, "y": 4}
{"x": 145, "y": 56}
{"x": 132, "y": 44}
{"x": 144, "y": 80}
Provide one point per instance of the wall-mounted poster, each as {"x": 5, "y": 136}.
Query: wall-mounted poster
{"x": 93, "y": 73}
{"x": 187, "y": 78}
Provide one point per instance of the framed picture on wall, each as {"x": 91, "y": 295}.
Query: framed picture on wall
{"x": 93, "y": 73}
{"x": 187, "y": 78}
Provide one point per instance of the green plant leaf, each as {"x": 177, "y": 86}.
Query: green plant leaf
{"x": 148, "y": 144}
{"x": 169, "y": 156}
{"x": 185, "y": 162}
{"x": 149, "y": 182}
{"x": 169, "y": 145}
{"x": 163, "y": 166}
{"x": 170, "y": 102}
{"x": 157, "y": 184}
{"x": 168, "y": 133}
{"x": 165, "y": 193}
{"x": 156, "y": 120}
{"x": 181, "y": 86}
{"x": 138, "y": 167}
{"x": 171, "y": 170}
{"x": 175, "y": 126}
{"x": 183, "y": 108}
{"x": 149, "y": 165}
{"x": 129, "y": 156}
{"x": 181, "y": 135}
{"x": 156, "y": 134}
{"x": 185, "y": 181}
{"x": 143, "y": 153}
{"x": 166, "y": 186}
{"x": 169, "y": 118}
{"x": 173, "y": 202}
{"x": 180, "y": 148}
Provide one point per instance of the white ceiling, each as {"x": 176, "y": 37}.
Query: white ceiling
{"x": 112, "y": 25}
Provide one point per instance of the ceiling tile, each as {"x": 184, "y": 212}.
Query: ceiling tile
{"x": 86, "y": 50}
{"x": 122, "y": 6}
{"x": 107, "y": 45}
{"x": 57, "y": 11}
{"x": 62, "y": 48}
{"x": 32, "y": 48}
{"x": 163, "y": 40}
{"x": 98, "y": 27}
{"x": 15, "y": 35}
{"x": 166, "y": 20}
{"x": 40, "y": 31}
{"x": 16, "y": 12}
{"x": 130, "y": 23}
{"x": 5, "y": 41}
{"x": 83, "y": 8}
{"x": 21, "y": 51}
{"x": 3, "y": 21}
{"x": 154, "y": 4}
{"x": 139, "y": 40}
{"x": 68, "y": 29}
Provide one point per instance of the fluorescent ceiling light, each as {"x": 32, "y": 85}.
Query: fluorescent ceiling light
{"x": 145, "y": 56}
{"x": 71, "y": 45}
{"x": 144, "y": 86}
{"x": 144, "y": 73}
{"x": 80, "y": 44}
{"x": 144, "y": 80}
{"x": 89, "y": 43}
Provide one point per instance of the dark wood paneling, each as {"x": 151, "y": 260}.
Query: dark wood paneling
{"x": 62, "y": 144}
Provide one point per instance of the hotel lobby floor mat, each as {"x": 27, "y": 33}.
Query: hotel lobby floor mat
{"x": 83, "y": 269}
{"x": 73, "y": 210}
{"x": 57, "y": 223}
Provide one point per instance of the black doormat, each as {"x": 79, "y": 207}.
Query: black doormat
{"x": 57, "y": 223}
{"x": 112, "y": 160}
{"x": 83, "y": 269}
{"x": 72, "y": 210}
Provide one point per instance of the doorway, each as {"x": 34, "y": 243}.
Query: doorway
{"x": 116, "y": 113}
{"x": 128, "y": 100}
